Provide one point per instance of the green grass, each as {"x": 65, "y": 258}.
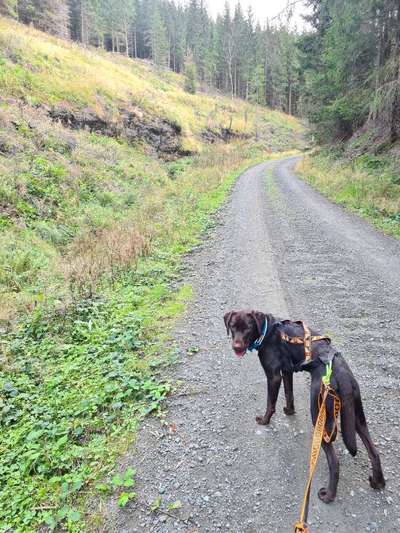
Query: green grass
{"x": 368, "y": 186}
{"x": 92, "y": 233}
{"x": 75, "y": 384}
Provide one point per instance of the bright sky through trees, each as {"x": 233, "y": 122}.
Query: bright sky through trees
{"x": 262, "y": 9}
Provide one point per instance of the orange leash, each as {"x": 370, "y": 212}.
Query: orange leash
{"x": 319, "y": 434}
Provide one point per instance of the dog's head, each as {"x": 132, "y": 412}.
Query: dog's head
{"x": 245, "y": 327}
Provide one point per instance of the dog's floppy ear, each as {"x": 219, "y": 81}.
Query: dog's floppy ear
{"x": 260, "y": 319}
{"x": 227, "y": 319}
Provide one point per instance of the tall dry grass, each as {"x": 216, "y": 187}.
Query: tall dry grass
{"x": 368, "y": 185}
{"x": 99, "y": 256}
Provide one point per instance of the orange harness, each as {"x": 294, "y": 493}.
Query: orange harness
{"x": 320, "y": 432}
{"x": 307, "y": 340}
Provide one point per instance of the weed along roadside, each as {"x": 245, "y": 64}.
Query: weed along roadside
{"x": 77, "y": 381}
{"x": 110, "y": 173}
{"x": 368, "y": 185}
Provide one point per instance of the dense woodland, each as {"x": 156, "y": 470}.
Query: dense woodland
{"x": 350, "y": 64}
{"x": 342, "y": 71}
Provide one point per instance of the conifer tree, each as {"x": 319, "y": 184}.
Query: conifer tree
{"x": 51, "y": 16}
{"x": 157, "y": 39}
{"x": 190, "y": 75}
{"x": 8, "y": 8}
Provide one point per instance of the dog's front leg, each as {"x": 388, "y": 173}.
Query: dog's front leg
{"x": 288, "y": 386}
{"x": 274, "y": 384}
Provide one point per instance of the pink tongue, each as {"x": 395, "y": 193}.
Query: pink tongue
{"x": 240, "y": 354}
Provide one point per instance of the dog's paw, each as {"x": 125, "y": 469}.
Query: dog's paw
{"x": 289, "y": 411}
{"x": 377, "y": 484}
{"x": 323, "y": 495}
{"x": 262, "y": 420}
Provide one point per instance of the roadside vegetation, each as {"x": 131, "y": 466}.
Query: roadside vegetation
{"x": 88, "y": 144}
{"x": 367, "y": 185}
{"x": 76, "y": 380}
{"x": 109, "y": 174}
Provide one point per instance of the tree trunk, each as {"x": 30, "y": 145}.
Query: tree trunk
{"x": 395, "y": 119}
{"x": 84, "y": 37}
{"x": 135, "y": 49}
{"x": 126, "y": 38}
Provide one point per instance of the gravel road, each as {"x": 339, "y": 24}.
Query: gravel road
{"x": 279, "y": 247}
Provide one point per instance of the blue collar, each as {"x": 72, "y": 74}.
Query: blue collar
{"x": 257, "y": 343}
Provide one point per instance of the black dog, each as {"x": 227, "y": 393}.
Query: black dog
{"x": 279, "y": 359}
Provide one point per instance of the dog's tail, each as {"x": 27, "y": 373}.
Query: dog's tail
{"x": 347, "y": 413}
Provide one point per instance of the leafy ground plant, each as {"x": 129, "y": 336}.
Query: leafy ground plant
{"x": 75, "y": 382}
{"x": 94, "y": 222}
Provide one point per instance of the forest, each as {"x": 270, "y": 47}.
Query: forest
{"x": 350, "y": 66}
{"x": 341, "y": 71}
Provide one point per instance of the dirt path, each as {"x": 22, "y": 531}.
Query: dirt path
{"x": 280, "y": 247}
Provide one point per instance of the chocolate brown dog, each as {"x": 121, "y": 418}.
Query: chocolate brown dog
{"x": 253, "y": 330}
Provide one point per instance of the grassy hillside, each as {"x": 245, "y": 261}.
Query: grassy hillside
{"x": 78, "y": 136}
{"x": 109, "y": 174}
{"x": 64, "y": 77}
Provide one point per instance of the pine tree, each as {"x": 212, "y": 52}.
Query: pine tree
{"x": 84, "y": 17}
{"x": 228, "y": 49}
{"x": 190, "y": 75}
{"x": 26, "y": 11}
{"x": 339, "y": 60}
{"x": 52, "y": 16}
{"x": 8, "y": 8}
{"x": 175, "y": 26}
{"x": 157, "y": 39}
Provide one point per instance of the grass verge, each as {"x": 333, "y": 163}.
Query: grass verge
{"x": 76, "y": 381}
{"x": 96, "y": 213}
{"x": 368, "y": 186}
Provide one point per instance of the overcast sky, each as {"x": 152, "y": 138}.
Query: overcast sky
{"x": 262, "y": 9}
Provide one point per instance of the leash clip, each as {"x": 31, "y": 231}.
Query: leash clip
{"x": 301, "y": 527}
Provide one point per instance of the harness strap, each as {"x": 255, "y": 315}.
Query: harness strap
{"x": 301, "y": 525}
{"x": 328, "y": 437}
{"x": 307, "y": 340}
